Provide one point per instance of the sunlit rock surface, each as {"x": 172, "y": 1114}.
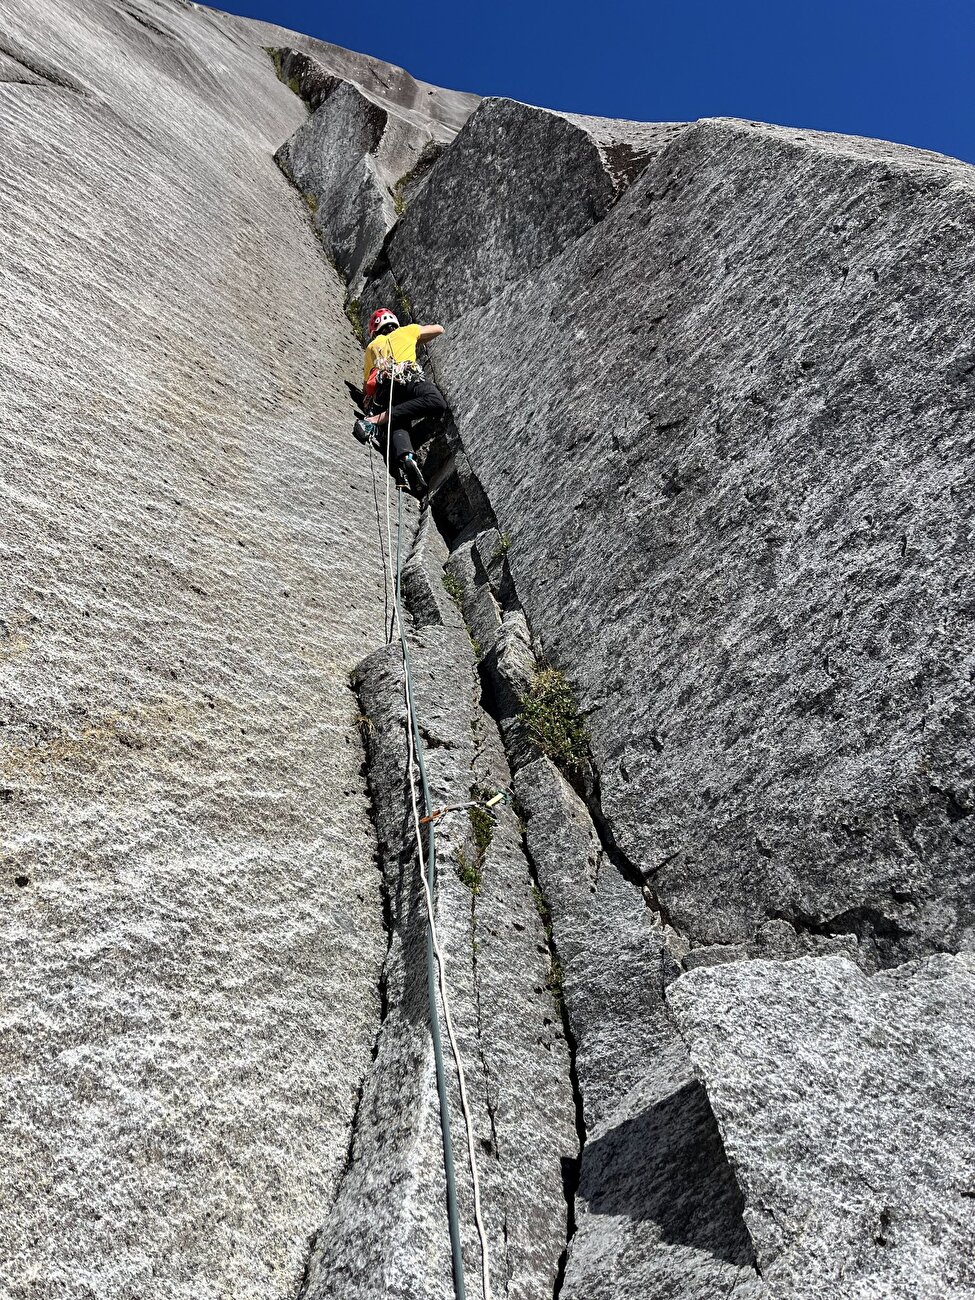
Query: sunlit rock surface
{"x": 709, "y": 456}
{"x": 845, "y": 1104}
{"x": 192, "y": 924}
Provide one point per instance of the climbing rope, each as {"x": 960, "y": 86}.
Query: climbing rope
{"x": 388, "y": 557}
{"x": 387, "y": 615}
{"x": 436, "y": 964}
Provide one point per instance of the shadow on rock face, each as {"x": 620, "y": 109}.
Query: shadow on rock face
{"x": 667, "y": 1164}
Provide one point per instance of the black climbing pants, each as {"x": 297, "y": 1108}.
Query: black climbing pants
{"x": 410, "y": 402}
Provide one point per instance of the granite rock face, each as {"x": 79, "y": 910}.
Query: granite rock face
{"x": 758, "y": 353}
{"x": 387, "y": 1234}
{"x": 358, "y": 159}
{"x": 845, "y": 1104}
{"x": 709, "y": 456}
{"x": 192, "y": 922}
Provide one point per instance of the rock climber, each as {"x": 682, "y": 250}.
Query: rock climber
{"x": 390, "y": 360}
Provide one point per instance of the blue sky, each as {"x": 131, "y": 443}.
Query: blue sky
{"x": 899, "y": 70}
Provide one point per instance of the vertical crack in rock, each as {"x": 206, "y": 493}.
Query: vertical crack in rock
{"x": 629, "y": 1071}
{"x": 490, "y": 1101}
{"x": 516, "y": 1067}
{"x": 571, "y": 1170}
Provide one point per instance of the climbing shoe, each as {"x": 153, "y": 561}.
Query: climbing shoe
{"x": 413, "y": 475}
{"x": 367, "y": 433}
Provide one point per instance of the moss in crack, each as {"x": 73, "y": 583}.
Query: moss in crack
{"x": 399, "y": 189}
{"x": 454, "y": 588}
{"x": 482, "y": 828}
{"x": 555, "y": 979}
{"x": 470, "y": 865}
{"x": 311, "y": 201}
{"x": 502, "y": 548}
{"x": 293, "y": 83}
{"x": 551, "y": 715}
{"x": 470, "y": 871}
{"x": 353, "y": 309}
{"x": 541, "y": 907}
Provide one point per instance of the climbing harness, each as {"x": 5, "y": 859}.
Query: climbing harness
{"x": 436, "y": 966}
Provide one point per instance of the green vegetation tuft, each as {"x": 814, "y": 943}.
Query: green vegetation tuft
{"x": 404, "y": 303}
{"x": 470, "y": 869}
{"x": 294, "y": 85}
{"x": 502, "y": 548}
{"x": 551, "y": 715}
{"x": 353, "y": 308}
{"x": 470, "y": 873}
{"x": 399, "y": 189}
{"x": 311, "y": 201}
{"x": 454, "y": 588}
{"x": 482, "y": 826}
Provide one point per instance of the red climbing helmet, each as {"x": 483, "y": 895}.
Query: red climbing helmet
{"x": 379, "y": 319}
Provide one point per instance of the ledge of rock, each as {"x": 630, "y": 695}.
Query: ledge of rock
{"x": 845, "y": 1105}
{"x": 516, "y": 186}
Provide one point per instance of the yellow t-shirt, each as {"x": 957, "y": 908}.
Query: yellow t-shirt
{"x": 400, "y": 345}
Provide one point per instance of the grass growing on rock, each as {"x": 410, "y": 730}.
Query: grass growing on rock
{"x": 502, "y": 548}
{"x": 353, "y": 309}
{"x": 482, "y": 828}
{"x": 470, "y": 871}
{"x": 470, "y": 868}
{"x": 404, "y": 303}
{"x": 551, "y": 715}
{"x": 399, "y": 189}
{"x": 454, "y": 588}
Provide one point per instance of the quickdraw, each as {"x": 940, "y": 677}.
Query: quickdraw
{"x": 400, "y": 372}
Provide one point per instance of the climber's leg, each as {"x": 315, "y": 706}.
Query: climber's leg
{"x": 413, "y": 474}
{"x": 410, "y": 401}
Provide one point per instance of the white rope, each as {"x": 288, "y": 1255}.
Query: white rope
{"x": 428, "y": 898}
{"x": 448, "y": 1019}
{"x": 389, "y": 526}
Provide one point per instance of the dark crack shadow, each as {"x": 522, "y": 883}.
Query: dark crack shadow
{"x": 667, "y": 1164}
